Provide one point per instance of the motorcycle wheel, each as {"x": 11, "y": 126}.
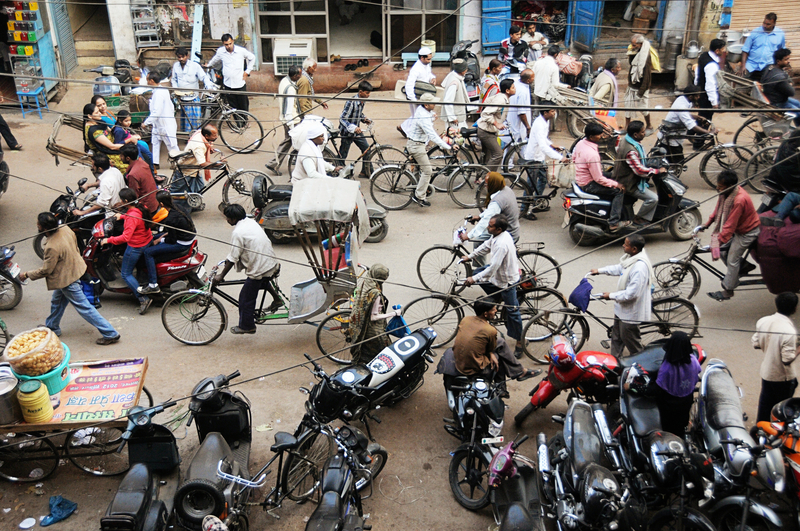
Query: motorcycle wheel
{"x": 378, "y": 229}
{"x": 730, "y": 519}
{"x": 196, "y": 499}
{"x": 38, "y": 245}
{"x": 529, "y": 408}
{"x": 579, "y": 238}
{"x": 366, "y": 476}
{"x": 669, "y": 519}
{"x": 683, "y": 224}
{"x": 469, "y": 478}
{"x": 10, "y": 294}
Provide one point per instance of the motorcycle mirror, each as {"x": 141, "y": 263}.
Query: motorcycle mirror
{"x": 304, "y": 391}
{"x": 558, "y": 419}
{"x": 69, "y": 191}
{"x": 82, "y": 182}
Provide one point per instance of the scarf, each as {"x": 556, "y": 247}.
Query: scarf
{"x": 642, "y": 186}
{"x": 364, "y": 299}
{"x": 613, "y": 82}
{"x": 639, "y": 62}
{"x": 627, "y": 261}
{"x": 310, "y": 81}
{"x": 722, "y": 213}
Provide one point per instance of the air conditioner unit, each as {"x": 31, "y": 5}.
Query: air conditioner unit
{"x": 288, "y": 52}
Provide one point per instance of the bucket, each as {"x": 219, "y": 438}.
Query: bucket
{"x": 56, "y": 379}
{"x": 10, "y": 413}
{"x": 431, "y": 45}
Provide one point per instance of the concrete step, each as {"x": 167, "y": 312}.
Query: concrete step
{"x": 94, "y": 45}
{"x": 91, "y": 61}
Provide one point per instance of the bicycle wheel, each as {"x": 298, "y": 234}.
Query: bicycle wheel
{"x": 241, "y": 132}
{"x": 194, "y": 317}
{"x": 670, "y": 315}
{"x": 379, "y": 156}
{"x": 463, "y": 184}
{"x": 439, "y": 162}
{"x": 438, "y": 268}
{"x": 333, "y": 337}
{"x": 327, "y": 155}
{"x": 575, "y": 124}
{"x": 511, "y": 165}
{"x": 534, "y": 299}
{"x": 757, "y": 168}
{"x": 94, "y": 450}
{"x": 675, "y": 279}
{"x": 520, "y": 188}
{"x": 751, "y": 135}
{"x": 238, "y": 189}
{"x": 537, "y": 333}
{"x": 576, "y": 329}
{"x": 722, "y": 158}
{"x": 391, "y": 187}
{"x": 541, "y": 268}
{"x": 26, "y": 457}
{"x": 302, "y": 468}
{"x": 440, "y": 312}
{"x": 5, "y": 335}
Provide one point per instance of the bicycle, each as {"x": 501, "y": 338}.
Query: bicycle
{"x": 241, "y": 131}
{"x": 759, "y": 165}
{"x": 197, "y": 317}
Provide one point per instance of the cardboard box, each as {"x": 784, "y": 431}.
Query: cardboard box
{"x": 649, "y": 13}
{"x": 640, "y": 25}
{"x": 648, "y": 3}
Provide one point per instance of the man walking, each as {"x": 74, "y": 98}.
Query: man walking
{"x": 421, "y": 71}
{"x": 455, "y": 92}
{"x": 632, "y": 301}
{"x": 305, "y": 87}
{"x": 232, "y": 58}
{"x": 109, "y": 181}
{"x": 289, "y": 116}
{"x": 188, "y": 74}
{"x": 631, "y": 171}
{"x": 63, "y": 267}
{"x": 776, "y": 337}
{"x": 760, "y": 46}
{"x": 737, "y": 227}
{"x": 350, "y": 125}
{"x": 519, "y": 118}
{"x": 538, "y": 148}
{"x": 420, "y": 133}
{"x": 639, "y": 79}
{"x": 605, "y": 89}
{"x": 546, "y": 77}
{"x": 705, "y": 77}
{"x": 162, "y": 119}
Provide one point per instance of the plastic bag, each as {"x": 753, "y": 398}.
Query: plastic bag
{"x": 60, "y": 508}
{"x": 34, "y": 352}
{"x": 563, "y": 175}
{"x": 398, "y": 327}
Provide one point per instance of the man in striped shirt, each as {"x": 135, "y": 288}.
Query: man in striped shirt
{"x": 350, "y": 120}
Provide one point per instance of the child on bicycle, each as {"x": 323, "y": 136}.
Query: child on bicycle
{"x": 349, "y": 130}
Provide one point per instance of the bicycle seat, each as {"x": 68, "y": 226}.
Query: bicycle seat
{"x": 580, "y": 193}
{"x": 176, "y": 154}
{"x": 467, "y": 132}
{"x": 283, "y": 441}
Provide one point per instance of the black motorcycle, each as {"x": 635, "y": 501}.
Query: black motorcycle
{"x": 62, "y": 210}
{"x": 10, "y": 284}
{"x": 588, "y": 214}
{"x": 4, "y": 175}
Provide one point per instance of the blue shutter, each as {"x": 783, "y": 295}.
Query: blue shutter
{"x": 585, "y": 17}
{"x": 496, "y": 23}
{"x": 662, "y": 12}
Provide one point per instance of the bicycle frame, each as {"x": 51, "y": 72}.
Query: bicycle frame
{"x": 692, "y": 257}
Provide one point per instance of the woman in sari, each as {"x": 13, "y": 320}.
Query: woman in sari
{"x": 369, "y": 318}
{"x": 490, "y": 82}
{"x": 109, "y": 118}
{"x": 98, "y": 137}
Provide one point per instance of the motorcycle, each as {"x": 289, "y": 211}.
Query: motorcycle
{"x": 472, "y": 78}
{"x": 142, "y": 501}
{"x": 514, "y": 494}
{"x": 736, "y": 456}
{"x": 4, "y": 175}
{"x": 122, "y": 72}
{"x": 224, "y": 428}
{"x": 783, "y": 431}
{"x": 394, "y": 374}
{"x": 272, "y": 211}
{"x": 62, "y": 209}
{"x": 587, "y": 215}
{"x": 176, "y": 272}
{"x": 10, "y": 284}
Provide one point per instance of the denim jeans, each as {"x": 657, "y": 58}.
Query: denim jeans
{"x": 509, "y": 298}
{"x": 129, "y": 260}
{"x": 537, "y": 176}
{"x": 150, "y": 254}
{"x": 786, "y": 208}
{"x": 74, "y": 294}
{"x": 347, "y": 141}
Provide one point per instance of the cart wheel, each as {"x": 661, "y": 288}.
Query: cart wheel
{"x": 26, "y": 457}
{"x": 94, "y": 450}
{"x": 333, "y": 337}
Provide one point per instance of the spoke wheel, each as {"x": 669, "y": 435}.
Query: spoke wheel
{"x": 440, "y": 312}
{"x": 511, "y": 165}
{"x": 333, "y": 337}
{"x": 194, "y": 317}
{"x": 670, "y": 315}
{"x": 758, "y": 167}
{"x": 379, "y": 456}
{"x": 391, "y": 187}
{"x": 469, "y": 478}
{"x": 463, "y": 184}
{"x": 301, "y": 476}
{"x": 327, "y": 155}
{"x": 94, "y": 450}
{"x": 26, "y": 457}
{"x": 241, "y": 132}
{"x": 440, "y": 161}
{"x": 720, "y": 159}
{"x": 541, "y": 268}
{"x": 682, "y": 225}
{"x": 438, "y": 268}
{"x": 382, "y": 155}
{"x": 679, "y": 279}
{"x": 751, "y": 136}
{"x": 238, "y": 189}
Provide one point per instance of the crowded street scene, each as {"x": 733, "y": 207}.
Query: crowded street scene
{"x": 341, "y": 266}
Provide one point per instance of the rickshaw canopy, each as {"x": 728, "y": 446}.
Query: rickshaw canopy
{"x": 338, "y": 200}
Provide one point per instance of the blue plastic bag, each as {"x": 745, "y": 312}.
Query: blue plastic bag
{"x": 397, "y": 325}
{"x": 60, "y": 508}
{"x": 580, "y": 295}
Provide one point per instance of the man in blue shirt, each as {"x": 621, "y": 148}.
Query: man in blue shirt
{"x": 759, "y": 47}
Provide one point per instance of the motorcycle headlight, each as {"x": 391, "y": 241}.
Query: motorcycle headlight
{"x": 495, "y": 428}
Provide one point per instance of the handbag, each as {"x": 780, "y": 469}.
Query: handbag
{"x": 398, "y": 327}
{"x": 715, "y": 248}
{"x": 563, "y": 175}
{"x": 423, "y": 87}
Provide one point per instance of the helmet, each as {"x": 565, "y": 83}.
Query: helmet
{"x": 562, "y": 355}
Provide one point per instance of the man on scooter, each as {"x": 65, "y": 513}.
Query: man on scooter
{"x": 631, "y": 171}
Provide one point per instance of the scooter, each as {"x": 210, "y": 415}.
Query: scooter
{"x": 62, "y": 209}
{"x": 587, "y": 215}
{"x": 514, "y": 495}
{"x": 176, "y": 272}
{"x": 272, "y": 211}
{"x": 736, "y": 456}
{"x": 10, "y": 284}
{"x": 143, "y": 501}
{"x": 393, "y": 375}
{"x": 472, "y": 78}
{"x": 121, "y": 72}
{"x": 783, "y": 431}
{"x": 224, "y": 428}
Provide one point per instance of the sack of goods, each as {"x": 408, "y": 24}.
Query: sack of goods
{"x": 34, "y": 352}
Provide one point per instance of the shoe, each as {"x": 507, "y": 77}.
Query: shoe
{"x": 747, "y": 268}
{"x": 530, "y": 373}
{"x": 147, "y": 290}
{"x": 237, "y": 330}
{"x": 273, "y": 167}
{"x": 335, "y": 58}
{"x": 365, "y": 62}
{"x": 360, "y": 63}
{"x": 18, "y": 147}
{"x": 108, "y": 340}
{"x": 519, "y": 352}
{"x": 719, "y": 296}
{"x": 420, "y": 202}
{"x": 363, "y": 175}
{"x": 531, "y": 216}
{"x": 145, "y": 306}
{"x": 401, "y": 131}
{"x": 649, "y": 131}
{"x": 398, "y": 67}
{"x": 769, "y": 221}
{"x": 641, "y": 221}
{"x": 541, "y": 209}
{"x": 504, "y": 394}
{"x": 350, "y": 67}
{"x": 275, "y": 306}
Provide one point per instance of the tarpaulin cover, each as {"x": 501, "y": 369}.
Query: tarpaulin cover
{"x": 329, "y": 199}
{"x": 778, "y": 254}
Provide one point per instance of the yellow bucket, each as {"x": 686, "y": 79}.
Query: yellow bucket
{"x": 34, "y": 401}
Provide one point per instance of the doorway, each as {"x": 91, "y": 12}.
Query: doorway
{"x": 355, "y": 29}
{"x": 92, "y": 32}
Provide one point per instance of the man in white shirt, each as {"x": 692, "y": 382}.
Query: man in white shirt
{"x": 289, "y": 116}
{"x": 232, "y": 58}
{"x": 109, "y": 181}
{"x": 162, "y": 118}
{"x": 499, "y": 278}
{"x": 546, "y": 77}
{"x": 420, "y": 133}
{"x": 538, "y": 148}
{"x": 201, "y": 146}
{"x": 421, "y": 71}
{"x": 705, "y": 77}
{"x": 251, "y": 252}
{"x": 536, "y": 41}
{"x": 188, "y": 74}
{"x": 679, "y": 121}
{"x": 519, "y": 118}
{"x": 455, "y": 92}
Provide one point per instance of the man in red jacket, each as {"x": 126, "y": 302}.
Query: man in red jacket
{"x": 140, "y": 178}
{"x": 737, "y": 227}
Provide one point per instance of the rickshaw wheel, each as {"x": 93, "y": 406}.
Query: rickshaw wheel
{"x": 26, "y": 457}
{"x": 194, "y": 317}
{"x": 333, "y": 337}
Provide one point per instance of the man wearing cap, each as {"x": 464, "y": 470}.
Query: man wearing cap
{"x": 421, "y": 71}
{"x": 290, "y": 115}
{"x": 455, "y": 92}
{"x": 519, "y": 118}
{"x": 420, "y": 133}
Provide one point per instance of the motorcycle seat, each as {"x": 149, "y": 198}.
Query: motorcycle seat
{"x": 649, "y": 359}
{"x": 469, "y": 131}
{"x": 644, "y": 415}
{"x": 580, "y": 193}
{"x": 723, "y": 403}
{"x": 326, "y": 515}
{"x": 178, "y": 256}
{"x": 283, "y": 441}
{"x": 279, "y": 192}
{"x": 130, "y": 501}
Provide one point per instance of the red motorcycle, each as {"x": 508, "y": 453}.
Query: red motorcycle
{"x": 176, "y": 272}
{"x": 590, "y": 375}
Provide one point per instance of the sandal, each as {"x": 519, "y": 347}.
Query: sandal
{"x": 719, "y": 296}
{"x": 275, "y": 306}
{"x": 530, "y": 373}
{"x": 237, "y": 330}
{"x": 18, "y": 147}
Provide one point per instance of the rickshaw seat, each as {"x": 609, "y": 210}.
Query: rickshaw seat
{"x": 176, "y": 154}
{"x": 280, "y": 192}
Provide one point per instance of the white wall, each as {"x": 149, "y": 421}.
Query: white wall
{"x": 119, "y": 16}
{"x": 470, "y": 24}
{"x": 675, "y": 21}
{"x": 225, "y": 17}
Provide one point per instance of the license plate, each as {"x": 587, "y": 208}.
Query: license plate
{"x": 14, "y": 270}
{"x": 492, "y": 440}
{"x": 766, "y": 200}
{"x": 202, "y": 273}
